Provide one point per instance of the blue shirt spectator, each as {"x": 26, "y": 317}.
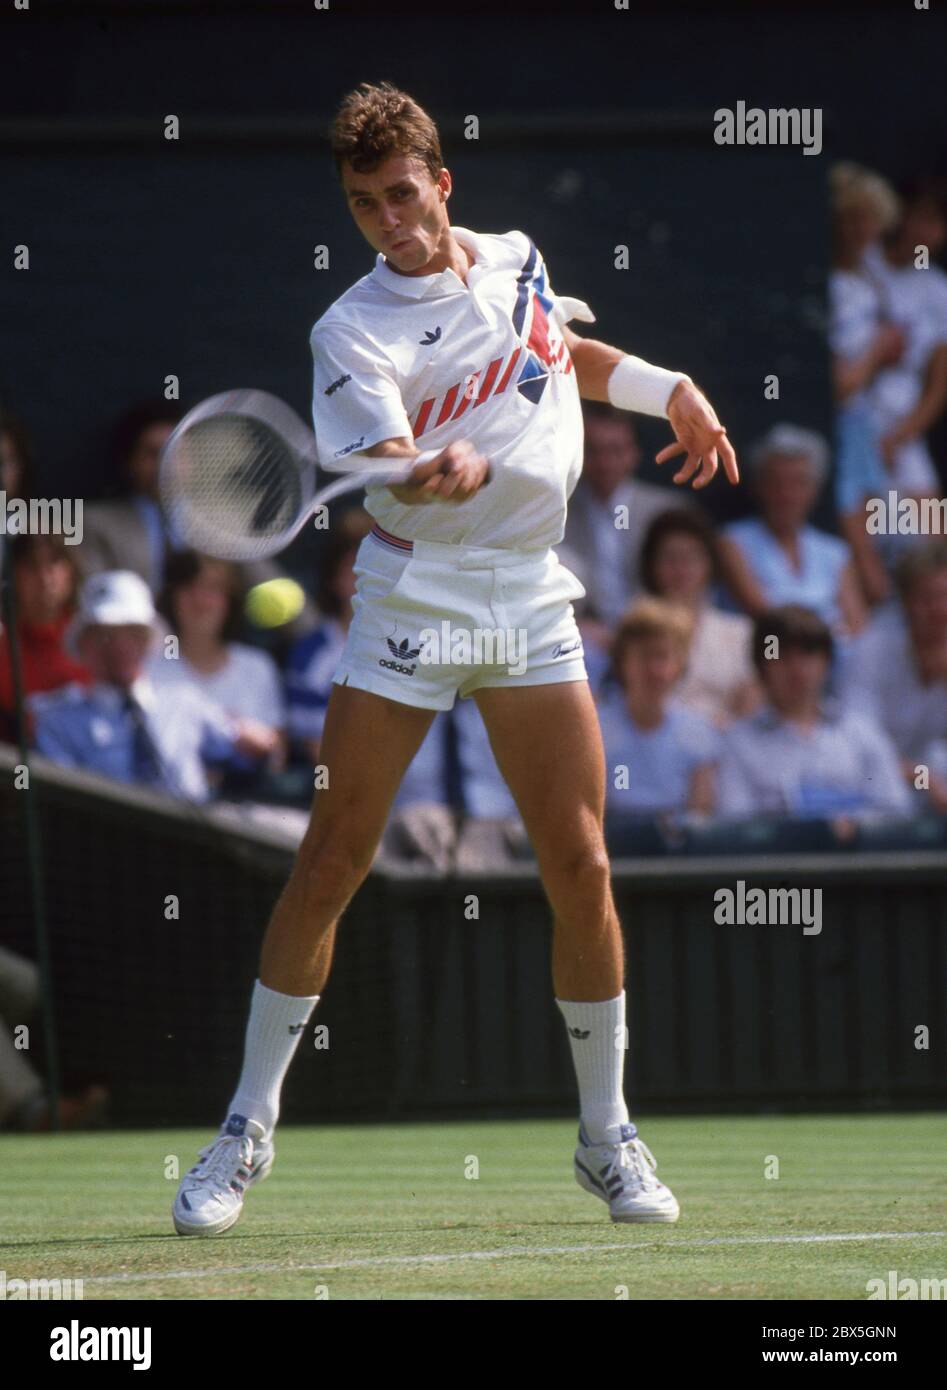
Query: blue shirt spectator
{"x": 814, "y": 584}
{"x": 778, "y": 558}
{"x": 486, "y": 795}
{"x": 800, "y": 756}
{"x": 650, "y": 772}
{"x": 843, "y": 764}
{"x": 133, "y": 737}
{"x": 310, "y": 667}
{"x": 119, "y": 727}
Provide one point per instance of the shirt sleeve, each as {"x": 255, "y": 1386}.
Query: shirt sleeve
{"x": 564, "y": 307}
{"x": 356, "y": 399}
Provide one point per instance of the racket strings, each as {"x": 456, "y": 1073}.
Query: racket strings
{"x": 236, "y": 484}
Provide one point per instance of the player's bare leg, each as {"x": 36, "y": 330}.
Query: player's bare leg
{"x": 548, "y": 746}
{"x": 367, "y": 744}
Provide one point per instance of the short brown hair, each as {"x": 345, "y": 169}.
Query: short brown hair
{"x": 795, "y": 628}
{"x": 646, "y": 619}
{"x": 375, "y": 122}
{"x": 677, "y": 521}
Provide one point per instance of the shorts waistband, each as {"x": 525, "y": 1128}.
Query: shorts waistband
{"x": 458, "y": 556}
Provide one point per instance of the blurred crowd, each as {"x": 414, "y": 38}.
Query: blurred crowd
{"x": 767, "y": 680}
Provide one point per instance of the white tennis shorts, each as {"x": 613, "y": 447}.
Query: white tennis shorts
{"x": 432, "y": 621}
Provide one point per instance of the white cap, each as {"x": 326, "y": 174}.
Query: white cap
{"x": 115, "y": 598}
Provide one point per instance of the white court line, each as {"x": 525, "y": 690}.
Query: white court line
{"x": 509, "y": 1253}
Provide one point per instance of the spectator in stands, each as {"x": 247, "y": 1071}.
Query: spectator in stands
{"x": 118, "y": 726}
{"x": 201, "y": 603}
{"x": 44, "y": 572}
{"x": 492, "y": 832}
{"x": 909, "y": 396}
{"x": 313, "y": 659}
{"x": 679, "y": 562}
{"x": 778, "y": 558}
{"x": 863, "y": 341}
{"x": 659, "y": 757}
{"x": 896, "y": 673}
{"x": 801, "y": 756}
{"x": 129, "y": 532}
{"x": 609, "y": 512}
{"x": 23, "y": 1103}
{"x": 17, "y": 467}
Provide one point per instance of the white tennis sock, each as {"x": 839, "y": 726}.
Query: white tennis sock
{"x": 597, "y": 1038}
{"x": 274, "y": 1028}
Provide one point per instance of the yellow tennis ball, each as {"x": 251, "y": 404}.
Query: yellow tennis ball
{"x": 274, "y": 602}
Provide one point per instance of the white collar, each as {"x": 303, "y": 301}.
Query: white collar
{"x": 445, "y": 281}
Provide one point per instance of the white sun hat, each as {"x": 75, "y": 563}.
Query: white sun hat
{"x": 115, "y": 598}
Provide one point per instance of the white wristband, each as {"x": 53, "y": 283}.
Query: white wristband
{"x": 636, "y": 385}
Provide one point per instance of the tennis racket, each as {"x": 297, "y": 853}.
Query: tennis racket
{"x": 238, "y": 476}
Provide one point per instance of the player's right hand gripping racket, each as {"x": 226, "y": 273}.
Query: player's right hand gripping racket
{"x": 238, "y": 476}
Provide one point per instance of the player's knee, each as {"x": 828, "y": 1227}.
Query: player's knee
{"x": 336, "y": 861}
{"x": 583, "y": 865}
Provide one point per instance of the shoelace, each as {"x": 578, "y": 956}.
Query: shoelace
{"x": 225, "y": 1157}
{"x": 638, "y": 1158}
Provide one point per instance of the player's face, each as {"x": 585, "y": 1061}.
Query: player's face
{"x": 795, "y": 681}
{"x": 682, "y": 569}
{"x": 611, "y": 454}
{"x": 115, "y": 654}
{"x": 401, "y": 212}
{"x": 651, "y": 668}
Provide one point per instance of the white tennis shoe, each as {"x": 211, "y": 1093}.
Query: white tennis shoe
{"x": 210, "y": 1197}
{"x": 623, "y": 1176}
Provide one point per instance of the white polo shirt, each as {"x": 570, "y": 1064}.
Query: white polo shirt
{"x": 436, "y": 360}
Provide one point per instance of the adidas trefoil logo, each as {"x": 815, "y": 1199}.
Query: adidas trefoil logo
{"x": 579, "y": 1032}
{"x": 402, "y": 652}
{"x": 430, "y": 338}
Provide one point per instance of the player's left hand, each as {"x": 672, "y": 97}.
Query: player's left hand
{"x": 701, "y": 438}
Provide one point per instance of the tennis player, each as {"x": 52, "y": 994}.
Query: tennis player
{"x": 457, "y": 341}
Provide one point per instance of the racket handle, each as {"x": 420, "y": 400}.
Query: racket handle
{"x": 428, "y": 454}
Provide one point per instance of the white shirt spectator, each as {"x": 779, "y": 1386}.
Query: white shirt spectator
{"x": 880, "y": 679}
{"x": 915, "y": 300}
{"x": 844, "y": 765}
{"x": 247, "y": 687}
